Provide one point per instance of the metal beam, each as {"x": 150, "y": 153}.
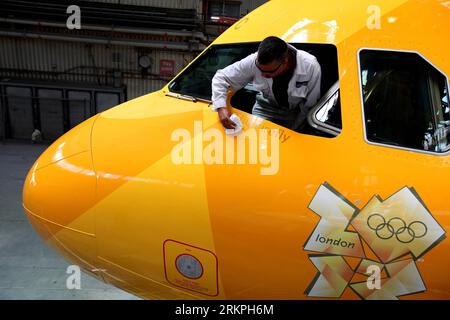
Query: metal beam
{"x": 135, "y": 43}
{"x": 161, "y": 32}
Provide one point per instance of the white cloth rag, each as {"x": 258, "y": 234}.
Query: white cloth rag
{"x": 236, "y": 131}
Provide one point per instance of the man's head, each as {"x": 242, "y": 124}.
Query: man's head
{"x": 273, "y": 57}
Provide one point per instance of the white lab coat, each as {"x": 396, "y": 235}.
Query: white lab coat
{"x": 303, "y": 88}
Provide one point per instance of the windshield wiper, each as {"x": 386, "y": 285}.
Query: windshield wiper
{"x": 181, "y": 96}
{"x": 187, "y": 97}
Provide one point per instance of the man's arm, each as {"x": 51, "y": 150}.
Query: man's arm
{"x": 234, "y": 77}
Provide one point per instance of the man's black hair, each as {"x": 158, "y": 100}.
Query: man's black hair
{"x": 271, "y": 49}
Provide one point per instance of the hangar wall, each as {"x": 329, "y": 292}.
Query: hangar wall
{"x": 78, "y": 62}
{"x": 52, "y": 78}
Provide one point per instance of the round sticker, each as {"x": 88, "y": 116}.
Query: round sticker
{"x": 189, "y": 266}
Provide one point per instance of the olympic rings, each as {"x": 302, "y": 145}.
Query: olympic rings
{"x": 396, "y": 226}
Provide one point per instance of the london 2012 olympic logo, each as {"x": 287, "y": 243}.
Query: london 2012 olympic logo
{"x": 398, "y": 231}
{"x": 396, "y": 227}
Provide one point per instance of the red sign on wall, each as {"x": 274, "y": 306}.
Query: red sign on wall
{"x": 166, "y": 67}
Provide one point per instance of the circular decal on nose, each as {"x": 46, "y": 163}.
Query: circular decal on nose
{"x": 189, "y": 266}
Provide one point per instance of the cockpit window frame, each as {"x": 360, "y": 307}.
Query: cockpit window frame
{"x": 358, "y": 55}
{"x": 322, "y": 51}
{"x": 319, "y": 125}
{"x": 331, "y": 49}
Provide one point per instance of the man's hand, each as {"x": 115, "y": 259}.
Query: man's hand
{"x": 224, "y": 117}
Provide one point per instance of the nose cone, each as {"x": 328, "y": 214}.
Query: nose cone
{"x": 59, "y": 191}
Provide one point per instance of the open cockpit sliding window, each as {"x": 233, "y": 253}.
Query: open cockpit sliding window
{"x": 195, "y": 82}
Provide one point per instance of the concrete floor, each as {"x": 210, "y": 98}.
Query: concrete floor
{"x": 28, "y": 268}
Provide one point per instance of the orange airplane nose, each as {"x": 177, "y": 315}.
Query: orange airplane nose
{"x": 58, "y": 192}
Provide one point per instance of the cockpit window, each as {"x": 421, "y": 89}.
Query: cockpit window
{"x": 405, "y": 101}
{"x": 196, "y": 80}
